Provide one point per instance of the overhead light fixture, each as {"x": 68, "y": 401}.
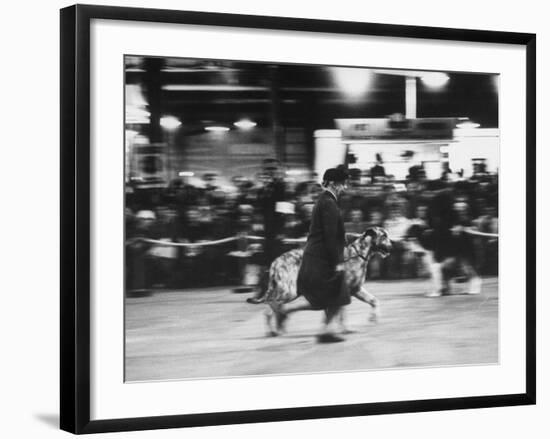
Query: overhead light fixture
{"x": 215, "y": 128}
{"x": 468, "y": 124}
{"x": 435, "y": 79}
{"x": 245, "y": 124}
{"x": 352, "y": 81}
{"x": 169, "y": 122}
{"x": 186, "y": 174}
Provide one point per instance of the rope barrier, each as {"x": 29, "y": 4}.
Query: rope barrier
{"x": 469, "y": 231}
{"x": 254, "y": 238}
{"x": 475, "y": 232}
{"x": 294, "y": 240}
{"x": 188, "y": 244}
{"x": 207, "y": 243}
{"x": 285, "y": 240}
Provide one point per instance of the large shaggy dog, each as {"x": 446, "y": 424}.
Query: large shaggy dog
{"x": 283, "y": 274}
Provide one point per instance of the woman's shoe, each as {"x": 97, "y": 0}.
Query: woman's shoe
{"x": 329, "y": 338}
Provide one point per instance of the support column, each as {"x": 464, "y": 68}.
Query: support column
{"x": 153, "y": 92}
{"x": 410, "y": 97}
{"x": 278, "y": 129}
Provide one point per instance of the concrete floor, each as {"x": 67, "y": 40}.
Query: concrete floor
{"x": 215, "y": 333}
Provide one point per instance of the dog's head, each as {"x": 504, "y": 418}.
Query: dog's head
{"x": 378, "y": 240}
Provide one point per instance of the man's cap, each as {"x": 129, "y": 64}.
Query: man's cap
{"x": 337, "y": 175}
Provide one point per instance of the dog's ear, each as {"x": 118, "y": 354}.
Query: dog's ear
{"x": 350, "y": 237}
{"x": 372, "y": 232}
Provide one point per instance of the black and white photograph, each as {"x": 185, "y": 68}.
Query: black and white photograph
{"x": 284, "y": 219}
{"x": 275, "y": 219}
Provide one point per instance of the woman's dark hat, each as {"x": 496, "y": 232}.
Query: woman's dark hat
{"x": 336, "y": 175}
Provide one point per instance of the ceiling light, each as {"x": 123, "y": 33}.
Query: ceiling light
{"x": 216, "y": 128}
{"x": 435, "y": 79}
{"x": 467, "y": 124}
{"x": 352, "y": 81}
{"x": 245, "y": 124}
{"x": 169, "y": 122}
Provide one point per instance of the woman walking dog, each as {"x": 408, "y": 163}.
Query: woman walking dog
{"x": 321, "y": 283}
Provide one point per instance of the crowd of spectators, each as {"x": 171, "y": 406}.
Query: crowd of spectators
{"x": 274, "y": 212}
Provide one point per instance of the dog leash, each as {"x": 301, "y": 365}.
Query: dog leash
{"x": 357, "y": 254}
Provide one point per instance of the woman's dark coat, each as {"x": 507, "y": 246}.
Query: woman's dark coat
{"x": 318, "y": 281}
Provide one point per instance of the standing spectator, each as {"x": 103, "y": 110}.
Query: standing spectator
{"x": 163, "y": 257}
{"x": 418, "y": 240}
{"x": 449, "y": 215}
{"x": 377, "y": 172}
{"x": 194, "y": 258}
{"x": 416, "y": 170}
{"x": 138, "y": 267}
{"x": 269, "y": 195}
{"x": 464, "y": 243}
{"x": 487, "y": 247}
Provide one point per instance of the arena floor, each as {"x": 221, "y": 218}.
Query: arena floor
{"x": 215, "y": 333}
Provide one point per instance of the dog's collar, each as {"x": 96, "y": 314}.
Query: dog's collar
{"x": 357, "y": 254}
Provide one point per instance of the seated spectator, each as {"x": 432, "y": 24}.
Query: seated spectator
{"x": 377, "y": 172}
{"x": 419, "y": 240}
{"x": 356, "y": 224}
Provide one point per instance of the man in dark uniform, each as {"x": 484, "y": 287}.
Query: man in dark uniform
{"x": 321, "y": 283}
{"x": 268, "y": 197}
{"x": 449, "y": 243}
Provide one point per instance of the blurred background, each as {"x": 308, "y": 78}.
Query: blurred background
{"x": 223, "y": 158}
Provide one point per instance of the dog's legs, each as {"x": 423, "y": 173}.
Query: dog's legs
{"x": 278, "y": 311}
{"x": 474, "y": 286}
{"x": 440, "y": 285}
{"x": 269, "y": 315}
{"x": 364, "y": 296}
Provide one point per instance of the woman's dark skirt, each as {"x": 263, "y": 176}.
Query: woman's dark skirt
{"x": 321, "y": 285}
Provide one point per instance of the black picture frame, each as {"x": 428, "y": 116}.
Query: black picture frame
{"x": 75, "y": 217}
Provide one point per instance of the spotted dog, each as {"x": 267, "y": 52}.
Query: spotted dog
{"x": 283, "y": 274}
{"x": 455, "y": 263}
